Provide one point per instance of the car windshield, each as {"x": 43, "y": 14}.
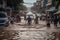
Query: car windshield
{"x": 2, "y": 15}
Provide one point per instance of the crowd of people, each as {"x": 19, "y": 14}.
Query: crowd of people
{"x": 17, "y": 19}
{"x": 13, "y": 19}
{"x": 55, "y": 20}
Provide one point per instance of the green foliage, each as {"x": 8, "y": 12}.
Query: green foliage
{"x": 14, "y": 3}
{"x": 56, "y": 3}
{"x": 23, "y": 7}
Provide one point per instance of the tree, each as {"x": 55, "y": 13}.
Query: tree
{"x": 14, "y": 3}
{"x": 56, "y": 3}
{"x": 23, "y": 7}
{"x": 1, "y": 1}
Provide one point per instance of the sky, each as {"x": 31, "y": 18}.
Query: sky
{"x": 29, "y": 1}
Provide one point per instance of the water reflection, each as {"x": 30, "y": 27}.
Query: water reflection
{"x": 29, "y": 35}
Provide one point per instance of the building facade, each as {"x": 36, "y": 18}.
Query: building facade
{"x": 3, "y": 3}
{"x": 3, "y": 7}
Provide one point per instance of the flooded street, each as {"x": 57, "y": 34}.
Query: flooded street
{"x": 29, "y": 19}
{"x": 16, "y": 33}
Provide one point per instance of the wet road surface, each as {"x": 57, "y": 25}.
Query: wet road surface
{"x": 14, "y": 32}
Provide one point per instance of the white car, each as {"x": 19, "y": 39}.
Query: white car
{"x": 4, "y": 19}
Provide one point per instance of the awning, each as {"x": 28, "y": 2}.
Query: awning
{"x": 51, "y": 9}
{"x": 48, "y": 4}
{"x": 57, "y": 13}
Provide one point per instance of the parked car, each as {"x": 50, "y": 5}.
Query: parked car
{"x": 4, "y": 19}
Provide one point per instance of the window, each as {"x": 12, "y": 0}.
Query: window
{"x": 2, "y": 15}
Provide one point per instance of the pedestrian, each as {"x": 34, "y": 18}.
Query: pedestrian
{"x": 40, "y": 18}
{"x": 52, "y": 19}
{"x": 55, "y": 21}
{"x": 11, "y": 19}
{"x": 18, "y": 18}
{"x": 36, "y": 20}
{"x": 29, "y": 20}
{"x": 48, "y": 21}
{"x": 59, "y": 19}
{"x": 25, "y": 17}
